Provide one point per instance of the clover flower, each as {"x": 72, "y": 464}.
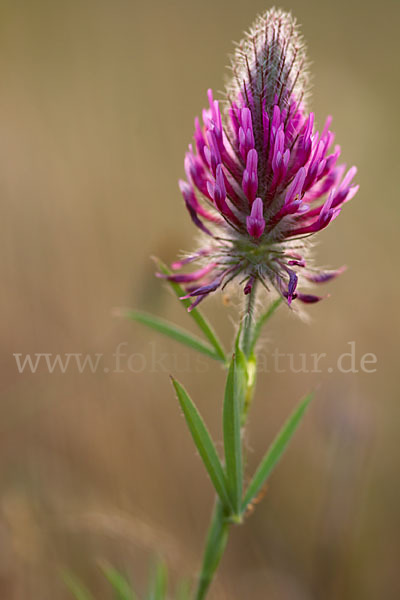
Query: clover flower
{"x": 260, "y": 180}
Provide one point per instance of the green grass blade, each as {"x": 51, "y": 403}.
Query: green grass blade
{"x": 158, "y": 583}
{"x": 204, "y": 443}
{"x": 233, "y": 405}
{"x": 121, "y": 586}
{"x": 76, "y": 587}
{"x": 275, "y": 451}
{"x": 173, "y": 331}
{"x": 196, "y": 315}
{"x": 261, "y": 322}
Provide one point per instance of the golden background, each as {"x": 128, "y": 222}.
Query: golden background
{"x": 97, "y": 101}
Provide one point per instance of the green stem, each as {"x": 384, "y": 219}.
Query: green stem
{"x": 215, "y": 546}
{"x": 251, "y": 384}
{"x": 218, "y": 532}
{"x": 248, "y": 321}
{"x": 261, "y": 322}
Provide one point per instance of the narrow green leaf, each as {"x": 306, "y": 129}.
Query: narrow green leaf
{"x": 158, "y": 583}
{"x": 196, "y": 315}
{"x": 275, "y": 451}
{"x": 233, "y": 406}
{"x": 76, "y": 587}
{"x": 122, "y": 587}
{"x": 204, "y": 443}
{"x": 173, "y": 331}
{"x": 261, "y": 322}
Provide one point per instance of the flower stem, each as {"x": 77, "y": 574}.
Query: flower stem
{"x": 218, "y": 532}
{"x": 248, "y": 321}
{"x": 215, "y": 546}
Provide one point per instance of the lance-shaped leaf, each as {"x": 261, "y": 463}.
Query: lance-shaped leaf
{"x": 275, "y": 452}
{"x": 261, "y": 321}
{"x": 196, "y": 315}
{"x": 204, "y": 443}
{"x": 174, "y": 332}
{"x": 122, "y": 588}
{"x": 232, "y": 415}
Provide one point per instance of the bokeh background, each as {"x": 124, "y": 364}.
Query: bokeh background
{"x": 97, "y": 101}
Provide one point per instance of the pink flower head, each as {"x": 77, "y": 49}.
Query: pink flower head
{"x": 260, "y": 179}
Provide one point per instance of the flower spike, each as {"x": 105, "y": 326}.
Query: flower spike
{"x": 260, "y": 179}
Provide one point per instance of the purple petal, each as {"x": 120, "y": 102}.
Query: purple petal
{"x": 192, "y": 205}
{"x": 249, "y": 285}
{"x": 324, "y": 276}
{"x": 206, "y": 289}
{"x": 250, "y": 179}
{"x": 196, "y": 303}
{"x": 296, "y": 186}
{"x": 292, "y": 286}
{"x": 255, "y": 222}
{"x": 309, "y": 298}
{"x": 178, "y": 264}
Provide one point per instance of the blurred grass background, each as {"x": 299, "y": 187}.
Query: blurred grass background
{"x": 97, "y": 101}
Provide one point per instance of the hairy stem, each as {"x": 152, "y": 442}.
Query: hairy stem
{"x": 215, "y": 546}
{"x": 218, "y": 532}
{"x": 248, "y": 321}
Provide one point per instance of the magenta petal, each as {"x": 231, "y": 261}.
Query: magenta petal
{"x": 255, "y": 222}
{"x": 296, "y": 186}
{"x": 187, "y": 277}
{"x": 192, "y": 205}
{"x": 250, "y": 179}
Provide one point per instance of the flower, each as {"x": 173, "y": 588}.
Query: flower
{"x": 260, "y": 180}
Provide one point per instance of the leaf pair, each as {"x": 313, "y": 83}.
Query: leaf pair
{"x": 228, "y": 482}
{"x": 213, "y": 349}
